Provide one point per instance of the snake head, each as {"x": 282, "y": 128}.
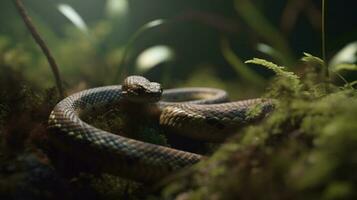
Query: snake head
{"x": 141, "y": 90}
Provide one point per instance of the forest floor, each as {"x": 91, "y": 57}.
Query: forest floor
{"x": 305, "y": 149}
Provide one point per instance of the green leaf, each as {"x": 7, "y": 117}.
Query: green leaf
{"x": 255, "y": 19}
{"x": 153, "y": 56}
{"x": 154, "y": 23}
{"x": 272, "y": 52}
{"x": 239, "y": 66}
{"x": 345, "y": 66}
{"x": 353, "y": 83}
{"x": 115, "y": 8}
{"x": 347, "y": 54}
{"x": 123, "y": 69}
{"x": 73, "y": 16}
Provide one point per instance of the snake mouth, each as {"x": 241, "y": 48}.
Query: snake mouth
{"x": 153, "y": 97}
{"x": 136, "y": 97}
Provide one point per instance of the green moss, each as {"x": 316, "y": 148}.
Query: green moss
{"x": 305, "y": 149}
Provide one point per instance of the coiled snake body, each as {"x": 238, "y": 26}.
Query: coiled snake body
{"x": 203, "y": 118}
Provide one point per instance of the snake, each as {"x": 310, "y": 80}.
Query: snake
{"x": 198, "y": 113}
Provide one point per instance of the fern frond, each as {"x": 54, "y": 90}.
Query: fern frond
{"x": 310, "y": 59}
{"x": 279, "y": 70}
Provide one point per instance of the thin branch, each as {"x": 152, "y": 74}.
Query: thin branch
{"x": 323, "y": 38}
{"x": 40, "y": 42}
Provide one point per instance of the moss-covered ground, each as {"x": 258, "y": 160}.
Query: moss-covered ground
{"x": 305, "y": 149}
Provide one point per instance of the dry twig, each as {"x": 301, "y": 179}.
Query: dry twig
{"x": 40, "y": 42}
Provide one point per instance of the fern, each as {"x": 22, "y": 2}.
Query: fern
{"x": 320, "y": 67}
{"x": 278, "y": 70}
{"x": 319, "y": 63}
{"x": 310, "y": 59}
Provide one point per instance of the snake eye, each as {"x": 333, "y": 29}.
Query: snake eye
{"x": 137, "y": 88}
{"x": 141, "y": 89}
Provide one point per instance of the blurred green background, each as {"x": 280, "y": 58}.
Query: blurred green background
{"x": 177, "y": 43}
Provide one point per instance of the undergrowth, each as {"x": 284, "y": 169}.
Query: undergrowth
{"x": 26, "y": 170}
{"x": 304, "y": 150}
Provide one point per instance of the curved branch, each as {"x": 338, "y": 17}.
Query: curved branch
{"x": 40, "y": 42}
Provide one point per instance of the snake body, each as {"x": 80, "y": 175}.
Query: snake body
{"x": 205, "y": 117}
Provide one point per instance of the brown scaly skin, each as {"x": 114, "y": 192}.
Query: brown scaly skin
{"x": 136, "y": 159}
